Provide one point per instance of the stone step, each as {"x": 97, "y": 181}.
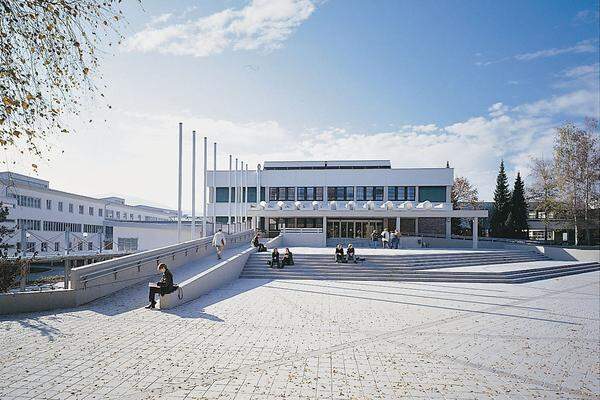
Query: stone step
{"x": 519, "y": 276}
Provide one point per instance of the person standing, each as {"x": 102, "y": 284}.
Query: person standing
{"x": 385, "y": 238}
{"x": 218, "y": 243}
{"x": 394, "y": 239}
{"x": 163, "y": 287}
{"x": 374, "y": 238}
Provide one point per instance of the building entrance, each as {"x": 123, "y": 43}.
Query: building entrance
{"x": 353, "y": 228}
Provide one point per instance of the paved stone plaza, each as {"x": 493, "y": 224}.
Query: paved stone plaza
{"x": 290, "y": 339}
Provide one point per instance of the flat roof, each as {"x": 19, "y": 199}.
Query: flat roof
{"x": 328, "y": 164}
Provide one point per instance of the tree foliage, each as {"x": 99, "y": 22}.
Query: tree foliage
{"x": 499, "y": 214}
{"x": 543, "y": 190}
{"x": 9, "y": 269}
{"x": 48, "y": 53}
{"x": 577, "y": 166}
{"x": 517, "y": 217}
{"x": 463, "y": 193}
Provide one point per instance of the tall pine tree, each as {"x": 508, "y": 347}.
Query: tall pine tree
{"x": 517, "y": 218}
{"x": 499, "y": 217}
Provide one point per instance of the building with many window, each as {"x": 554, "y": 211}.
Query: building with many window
{"x": 56, "y": 221}
{"x": 346, "y": 199}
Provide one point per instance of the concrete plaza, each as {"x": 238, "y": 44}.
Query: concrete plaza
{"x": 291, "y": 339}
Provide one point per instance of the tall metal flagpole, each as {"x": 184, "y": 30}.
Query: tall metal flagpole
{"x": 229, "y": 194}
{"x": 179, "y": 183}
{"x": 214, "y": 202}
{"x": 204, "y": 188}
{"x": 235, "y": 197}
{"x": 246, "y": 202}
{"x": 193, "y": 232}
{"x": 241, "y": 194}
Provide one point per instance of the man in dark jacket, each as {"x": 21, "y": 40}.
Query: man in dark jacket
{"x": 163, "y": 287}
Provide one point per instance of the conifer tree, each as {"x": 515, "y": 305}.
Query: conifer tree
{"x": 517, "y": 218}
{"x": 501, "y": 209}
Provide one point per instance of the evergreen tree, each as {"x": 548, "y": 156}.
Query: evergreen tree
{"x": 501, "y": 209}
{"x": 517, "y": 218}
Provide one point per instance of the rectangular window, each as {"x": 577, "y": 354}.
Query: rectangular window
{"x": 56, "y": 246}
{"x": 100, "y": 212}
{"x": 48, "y": 204}
{"x": 131, "y": 217}
{"x": 262, "y": 193}
{"x": 291, "y": 194}
{"x": 378, "y": 193}
{"x": 410, "y": 193}
{"x": 340, "y": 193}
{"x": 360, "y": 193}
{"x": 60, "y": 206}
{"x": 29, "y": 224}
{"x": 319, "y": 193}
{"x": 350, "y": 193}
{"x": 71, "y": 208}
{"x": 273, "y": 194}
{"x": 91, "y": 210}
{"x": 27, "y": 201}
{"x": 281, "y": 193}
{"x": 432, "y": 193}
{"x": 222, "y": 193}
{"x": 392, "y": 193}
{"x": 118, "y": 214}
{"x": 369, "y": 193}
{"x": 80, "y": 209}
{"x": 44, "y": 246}
{"x": 252, "y": 194}
{"x": 90, "y": 246}
{"x": 331, "y": 193}
{"x": 301, "y": 194}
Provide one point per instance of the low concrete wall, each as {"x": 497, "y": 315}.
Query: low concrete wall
{"x": 213, "y": 278}
{"x": 462, "y": 244}
{"x": 11, "y": 303}
{"x": 561, "y": 253}
{"x": 291, "y": 239}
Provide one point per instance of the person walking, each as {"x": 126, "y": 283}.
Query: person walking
{"x": 218, "y": 243}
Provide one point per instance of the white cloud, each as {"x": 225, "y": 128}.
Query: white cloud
{"x": 585, "y": 46}
{"x": 579, "y": 103}
{"x": 586, "y": 17}
{"x": 261, "y": 25}
{"x": 497, "y": 109}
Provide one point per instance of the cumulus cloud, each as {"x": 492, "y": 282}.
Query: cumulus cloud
{"x": 261, "y": 25}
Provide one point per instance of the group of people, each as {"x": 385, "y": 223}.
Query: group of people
{"x": 350, "y": 255}
{"x": 277, "y": 260}
{"x": 389, "y": 239}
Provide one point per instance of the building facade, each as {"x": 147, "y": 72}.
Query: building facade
{"x": 49, "y": 220}
{"x": 347, "y": 199}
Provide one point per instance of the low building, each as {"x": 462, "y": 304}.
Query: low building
{"x": 346, "y": 199}
{"x": 50, "y": 220}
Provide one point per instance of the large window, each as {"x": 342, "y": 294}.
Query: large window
{"x": 282, "y": 193}
{"x": 401, "y": 193}
{"x": 221, "y": 195}
{"x": 432, "y": 193}
{"x": 28, "y": 201}
{"x": 52, "y": 226}
{"x": 127, "y": 244}
{"x": 60, "y": 206}
{"x": 340, "y": 193}
{"x": 365, "y": 193}
{"x": 310, "y": 193}
{"x": 80, "y": 209}
{"x": 29, "y": 224}
{"x": 48, "y": 204}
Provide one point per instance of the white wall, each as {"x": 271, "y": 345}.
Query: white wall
{"x": 153, "y": 235}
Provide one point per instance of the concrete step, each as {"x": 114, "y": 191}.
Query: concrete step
{"x": 518, "y": 276}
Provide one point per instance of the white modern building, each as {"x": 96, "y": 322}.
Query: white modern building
{"x": 341, "y": 199}
{"x": 50, "y": 220}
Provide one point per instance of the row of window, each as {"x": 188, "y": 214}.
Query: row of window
{"x": 341, "y": 193}
{"x": 34, "y": 202}
{"x": 44, "y": 246}
{"x": 54, "y": 226}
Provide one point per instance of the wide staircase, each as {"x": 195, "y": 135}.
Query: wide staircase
{"x": 417, "y": 267}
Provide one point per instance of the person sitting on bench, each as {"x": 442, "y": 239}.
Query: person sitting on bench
{"x": 256, "y": 243}
{"x": 165, "y": 286}
{"x": 288, "y": 258}
{"x": 339, "y": 254}
{"x": 274, "y": 263}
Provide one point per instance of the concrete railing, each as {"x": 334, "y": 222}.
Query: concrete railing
{"x": 100, "y": 279}
{"x": 211, "y": 279}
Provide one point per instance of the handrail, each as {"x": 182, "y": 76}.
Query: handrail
{"x": 135, "y": 261}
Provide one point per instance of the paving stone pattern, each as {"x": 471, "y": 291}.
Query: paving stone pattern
{"x": 261, "y": 339}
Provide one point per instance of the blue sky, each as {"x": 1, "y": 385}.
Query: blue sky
{"x": 418, "y": 82}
